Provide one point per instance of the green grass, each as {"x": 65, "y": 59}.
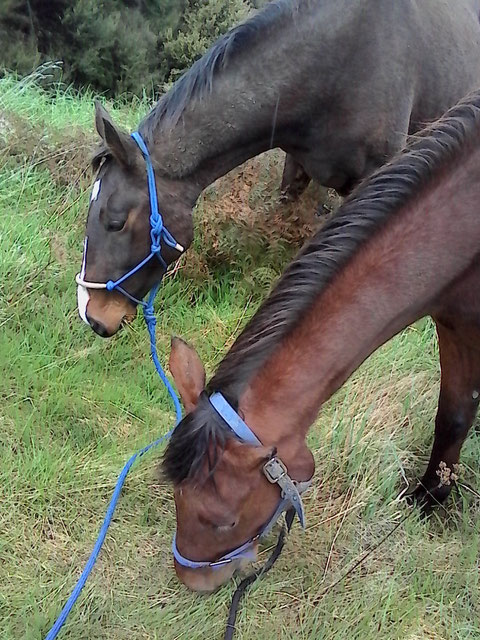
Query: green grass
{"x": 74, "y": 408}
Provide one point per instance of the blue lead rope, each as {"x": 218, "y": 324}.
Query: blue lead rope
{"x": 157, "y": 232}
{"x": 150, "y": 322}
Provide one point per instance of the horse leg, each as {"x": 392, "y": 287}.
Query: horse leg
{"x": 457, "y": 406}
{"x": 294, "y": 180}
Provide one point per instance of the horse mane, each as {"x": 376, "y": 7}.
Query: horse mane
{"x": 198, "y": 80}
{"x": 364, "y": 214}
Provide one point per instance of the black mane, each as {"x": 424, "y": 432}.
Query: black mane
{"x": 363, "y": 215}
{"x": 198, "y": 80}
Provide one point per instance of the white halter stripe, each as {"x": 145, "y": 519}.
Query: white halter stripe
{"x": 89, "y": 285}
{"x": 83, "y": 296}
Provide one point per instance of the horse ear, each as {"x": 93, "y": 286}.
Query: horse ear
{"x": 187, "y": 371}
{"x": 101, "y": 114}
{"x": 118, "y": 141}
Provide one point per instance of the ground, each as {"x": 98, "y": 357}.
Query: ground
{"x": 75, "y": 407}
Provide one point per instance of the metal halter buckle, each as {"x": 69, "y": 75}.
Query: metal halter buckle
{"x": 274, "y": 470}
{"x": 220, "y": 563}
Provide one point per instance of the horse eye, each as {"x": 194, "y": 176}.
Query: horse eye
{"x": 225, "y": 527}
{"x": 113, "y": 218}
{"x": 115, "y": 225}
{"x": 217, "y": 527}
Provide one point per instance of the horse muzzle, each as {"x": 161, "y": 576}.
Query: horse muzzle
{"x": 206, "y": 580}
{"x": 105, "y": 312}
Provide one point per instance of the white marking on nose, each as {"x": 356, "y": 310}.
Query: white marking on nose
{"x": 83, "y": 296}
{"x": 95, "y": 190}
{"x": 475, "y": 395}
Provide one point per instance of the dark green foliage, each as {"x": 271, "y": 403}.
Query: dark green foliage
{"x": 203, "y": 21}
{"x": 114, "y": 46}
{"x": 18, "y": 36}
{"x": 113, "y": 51}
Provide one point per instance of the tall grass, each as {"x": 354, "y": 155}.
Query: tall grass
{"x": 75, "y": 407}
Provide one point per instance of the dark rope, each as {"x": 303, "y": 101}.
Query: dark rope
{"x": 246, "y": 582}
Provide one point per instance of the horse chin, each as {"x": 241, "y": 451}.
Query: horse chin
{"x": 208, "y": 580}
{"x": 205, "y": 580}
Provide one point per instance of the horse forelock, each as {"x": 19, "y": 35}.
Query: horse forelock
{"x": 200, "y": 437}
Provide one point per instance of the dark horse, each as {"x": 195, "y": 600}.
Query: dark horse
{"x": 406, "y": 244}
{"x": 335, "y": 83}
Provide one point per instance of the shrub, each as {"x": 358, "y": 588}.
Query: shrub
{"x": 112, "y": 50}
{"x": 202, "y": 23}
{"x": 113, "y": 46}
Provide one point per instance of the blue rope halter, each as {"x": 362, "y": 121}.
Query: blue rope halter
{"x": 158, "y": 232}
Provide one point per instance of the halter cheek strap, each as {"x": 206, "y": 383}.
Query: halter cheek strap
{"x": 274, "y": 470}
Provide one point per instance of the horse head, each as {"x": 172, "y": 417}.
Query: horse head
{"x": 118, "y": 231}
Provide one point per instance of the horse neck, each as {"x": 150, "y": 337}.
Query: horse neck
{"x": 254, "y": 104}
{"x": 393, "y": 279}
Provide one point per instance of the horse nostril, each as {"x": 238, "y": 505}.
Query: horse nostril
{"x": 98, "y": 327}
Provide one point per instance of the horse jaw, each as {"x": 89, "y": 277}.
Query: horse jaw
{"x": 209, "y": 579}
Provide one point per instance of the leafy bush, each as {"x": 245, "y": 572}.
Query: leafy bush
{"x": 113, "y": 46}
{"x": 203, "y": 22}
{"x": 113, "y": 51}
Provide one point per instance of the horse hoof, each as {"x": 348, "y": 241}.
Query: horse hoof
{"x": 426, "y": 499}
{"x": 286, "y": 197}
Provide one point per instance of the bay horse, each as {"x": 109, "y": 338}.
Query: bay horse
{"x": 336, "y": 84}
{"x": 404, "y": 245}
